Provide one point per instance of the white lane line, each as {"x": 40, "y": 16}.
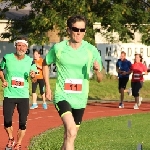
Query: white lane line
{"x": 38, "y": 117}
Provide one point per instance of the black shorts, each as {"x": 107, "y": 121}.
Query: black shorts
{"x": 41, "y": 86}
{"x": 136, "y": 86}
{"x": 9, "y": 105}
{"x": 64, "y": 107}
{"x": 123, "y": 82}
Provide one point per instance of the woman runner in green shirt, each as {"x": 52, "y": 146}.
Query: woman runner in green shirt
{"x": 74, "y": 59}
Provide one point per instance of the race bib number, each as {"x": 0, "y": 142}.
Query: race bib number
{"x": 137, "y": 76}
{"x": 17, "y": 82}
{"x": 73, "y": 86}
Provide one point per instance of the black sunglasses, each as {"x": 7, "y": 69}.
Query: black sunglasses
{"x": 74, "y": 29}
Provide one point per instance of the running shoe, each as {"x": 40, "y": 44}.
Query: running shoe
{"x": 17, "y": 147}
{"x": 11, "y": 143}
{"x": 136, "y": 106}
{"x": 121, "y": 105}
{"x": 34, "y": 106}
{"x": 44, "y": 106}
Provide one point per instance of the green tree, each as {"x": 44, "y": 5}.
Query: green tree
{"x": 122, "y": 16}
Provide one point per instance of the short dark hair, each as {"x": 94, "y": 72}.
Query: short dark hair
{"x": 123, "y": 52}
{"x": 74, "y": 19}
{"x": 35, "y": 50}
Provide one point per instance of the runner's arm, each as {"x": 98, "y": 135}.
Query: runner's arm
{"x": 33, "y": 69}
{"x": 2, "y": 76}
{"x": 130, "y": 68}
{"x": 128, "y": 72}
{"x": 2, "y": 67}
{"x": 118, "y": 70}
{"x": 49, "y": 59}
{"x": 145, "y": 72}
{"x": 98, "y": 75}
{"x": 33, "y": 76}
{"x": 33, "y": 80}
{"x": 97, "y": 70}
{"x": 45, "y": 70}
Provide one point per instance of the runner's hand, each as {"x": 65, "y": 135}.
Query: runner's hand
{"x": 48, "y": 93}
{"x": 124, "y": 73}
{"x": 120, "y": 72}
{"x": 32, "y": 74}
{"x": 96, "y": 66}
{"x": 4, "y": 84}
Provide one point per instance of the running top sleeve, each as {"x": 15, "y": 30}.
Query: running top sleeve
{"x": 3, "y": 63}
{"x": 51, "y": 56}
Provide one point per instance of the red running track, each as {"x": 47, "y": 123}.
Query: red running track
{"x": 40, "y": 120}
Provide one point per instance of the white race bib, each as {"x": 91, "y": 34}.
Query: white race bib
{"x": 17, "y": 82}
{"x": 136, "y": 76}
{"x": 73, "y": 86}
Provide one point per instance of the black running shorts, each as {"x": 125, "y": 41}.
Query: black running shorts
{"x": 64, "y": 107}
{"x": 123, "y": 82}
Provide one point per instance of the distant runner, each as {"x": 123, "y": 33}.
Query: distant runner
{"x": 123, "y": 68}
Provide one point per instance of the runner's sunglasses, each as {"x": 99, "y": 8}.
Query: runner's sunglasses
{"x": 74, "y": 29}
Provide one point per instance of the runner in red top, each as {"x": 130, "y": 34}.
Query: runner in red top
{"x": 138, "y": 70}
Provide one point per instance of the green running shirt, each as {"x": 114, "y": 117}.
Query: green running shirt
{"x": 17, "y": 75}
{"x": 73, "y": 69}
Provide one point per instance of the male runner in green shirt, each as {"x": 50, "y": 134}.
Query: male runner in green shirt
{"x": 74, "y": 59}
{"x": 19, "y": 67}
